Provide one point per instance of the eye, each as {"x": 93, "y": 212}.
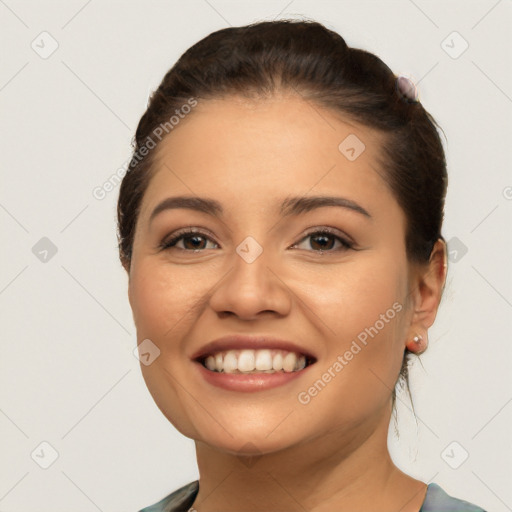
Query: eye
{"x": 191, "y": 237}
{"x": 324, "y": 239}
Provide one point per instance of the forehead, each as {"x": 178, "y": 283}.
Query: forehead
{"x": 250, "y": 152}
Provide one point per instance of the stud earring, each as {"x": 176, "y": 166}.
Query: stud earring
{"x": 418, "y": 339}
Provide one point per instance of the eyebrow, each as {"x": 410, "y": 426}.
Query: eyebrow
{"x": 298, "y": 205}
{"x": 290, "y": 206}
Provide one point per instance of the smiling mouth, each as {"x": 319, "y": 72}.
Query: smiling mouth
{"x": 248, "y": 361}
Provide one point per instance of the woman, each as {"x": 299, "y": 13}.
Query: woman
{"x": 280, "y": 225}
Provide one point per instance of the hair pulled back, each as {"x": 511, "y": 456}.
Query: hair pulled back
{"x": 263, "y": 58}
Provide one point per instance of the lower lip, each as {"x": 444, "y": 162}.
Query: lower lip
{"x": 251, "y": 382}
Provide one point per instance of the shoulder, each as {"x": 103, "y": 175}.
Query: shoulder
{"x": 178, "y": 501}
{"x": 437, "y": 500}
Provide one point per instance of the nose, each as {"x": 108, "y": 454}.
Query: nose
{"x": 251, "y": 288}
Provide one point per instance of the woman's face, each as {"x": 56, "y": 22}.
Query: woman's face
{"x": 345, "y": 305}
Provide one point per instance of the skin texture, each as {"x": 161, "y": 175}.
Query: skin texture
{"x": 266, "y": 450}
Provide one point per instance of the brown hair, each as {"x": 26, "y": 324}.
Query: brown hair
{"x": 260, "y": 59}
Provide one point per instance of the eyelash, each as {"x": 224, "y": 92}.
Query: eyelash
{"x": 169, "y": 244}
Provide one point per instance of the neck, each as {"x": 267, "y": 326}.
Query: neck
{"x": 343, "y": 471}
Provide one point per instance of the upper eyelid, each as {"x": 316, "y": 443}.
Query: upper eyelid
{"x": 346, "y": 240}
{"x": 330, "y": 230}
{"x": 192, "y": 230}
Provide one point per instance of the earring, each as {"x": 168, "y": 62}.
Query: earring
{"x": 418, "y": 344}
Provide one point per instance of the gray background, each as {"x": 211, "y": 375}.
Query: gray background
{"x": 69, "y": 377}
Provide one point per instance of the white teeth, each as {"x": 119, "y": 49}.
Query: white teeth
{"x": 230, "y": 363}
{"x": 246, "y": 361}
{"x": 210, "y": 363}
{"x": 277, "y": 362}
{"x": 263, "y": 360}
{"x": 255, "y": 361}
{"x": 289, "y": 362}
{"x": 218, "y": 362}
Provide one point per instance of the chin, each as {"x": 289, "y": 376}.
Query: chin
{"x": 247, "y": 445}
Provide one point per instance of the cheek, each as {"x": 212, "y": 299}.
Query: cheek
{"x": 161, "y": 300}
{"x": 354, "y": 296}
{"x": 363, "y": 313}
{"x": 161, "y": 305}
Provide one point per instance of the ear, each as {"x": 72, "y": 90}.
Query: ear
{"x": 426, "y": 288}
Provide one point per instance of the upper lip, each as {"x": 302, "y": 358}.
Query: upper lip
{"x": 240, "y": 342}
